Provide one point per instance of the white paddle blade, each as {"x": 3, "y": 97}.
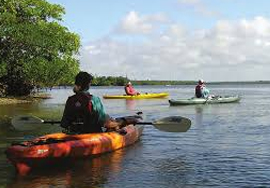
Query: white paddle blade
{"x": 26, "y": 122}
{"x": 173, "y": 124}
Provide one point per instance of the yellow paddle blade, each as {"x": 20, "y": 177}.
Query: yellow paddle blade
{"x": 173, "y": 124}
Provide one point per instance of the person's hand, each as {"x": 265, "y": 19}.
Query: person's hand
{"x": 131, "y": 120}
{"x": 112, "y": 124}
{"x": 128, "y": 120}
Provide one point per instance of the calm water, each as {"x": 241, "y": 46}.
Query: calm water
{"x": 227, "y": 145}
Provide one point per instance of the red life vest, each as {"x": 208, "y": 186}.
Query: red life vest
{"x": 130, "y": 90}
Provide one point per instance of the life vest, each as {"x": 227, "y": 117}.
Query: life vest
{"x": 130, "y": 90}
{"x": 198, "y": 91}
{"x": 79, "y": 115}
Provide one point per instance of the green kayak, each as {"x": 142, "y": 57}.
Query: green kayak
{"x": 213, "y": 100}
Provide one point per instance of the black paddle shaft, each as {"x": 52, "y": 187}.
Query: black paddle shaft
{"x": 58, "y": 122}
{"x": 52, "y": 122}
{"x": 144, "y": 123}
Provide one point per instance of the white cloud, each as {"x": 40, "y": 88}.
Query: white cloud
{"x": 133, "y": 23}
{"x": 236, "y": 50}
{"x": 198, "y": 6}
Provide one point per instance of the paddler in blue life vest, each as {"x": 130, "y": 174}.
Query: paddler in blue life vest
{"x": 84, "y": 112}
{"x": 200, "y": 90}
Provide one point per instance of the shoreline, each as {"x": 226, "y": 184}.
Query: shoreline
{"x": 24, "y": 99}
{"x": 13, "y": 100}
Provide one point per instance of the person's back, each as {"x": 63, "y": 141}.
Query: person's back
{"x": 82, "y": 114}
{"x": 198, "y": 91}
{"x": 201, "y": 91}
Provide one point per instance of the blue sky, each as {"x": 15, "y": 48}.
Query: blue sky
{"x": 217, "y": 40}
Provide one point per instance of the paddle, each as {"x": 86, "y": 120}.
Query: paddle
{"x": 167, "y": 124}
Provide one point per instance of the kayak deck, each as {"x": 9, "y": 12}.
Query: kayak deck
{"x": 215, "y": 100}
{"x": 141, "y": 96}
{"x": 48, "y": 149}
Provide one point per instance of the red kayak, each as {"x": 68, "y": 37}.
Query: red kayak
{"x": 48, "y": 149}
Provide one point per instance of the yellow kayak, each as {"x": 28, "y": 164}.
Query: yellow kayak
{"x": 141, "y": 96}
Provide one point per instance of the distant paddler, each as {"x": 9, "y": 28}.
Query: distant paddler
{"x": 129, "y": 89}
{"x": 201, "y": 91}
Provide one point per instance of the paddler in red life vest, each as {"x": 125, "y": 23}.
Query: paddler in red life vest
{"x": 84, "y": 112}
{"x": 200, "y": 90}
{"x": 130, "y": 90}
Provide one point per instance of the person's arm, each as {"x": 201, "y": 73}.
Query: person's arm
{"x": 112, "y": 124}
{"x": 66, "y": 118}
{"x": 118, "y": 123}
{"x": 127, "y": 90}
{"x": 205, "y": 92}
{"x": 128, "y": 120}
{"x": 104, "y": 119}
{"x": 99, "y": 109}
{"x": 132, "y": 91}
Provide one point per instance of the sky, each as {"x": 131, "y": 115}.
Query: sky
{"x": 214, "y": 40}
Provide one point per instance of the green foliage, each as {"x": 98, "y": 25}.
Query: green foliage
{"x": 35, "y": 45}
{"x": 121, "y": 81}
{"x": 162, "y": 82}
{"x": 110, "y": 81}
{"x": 2, "y": 69}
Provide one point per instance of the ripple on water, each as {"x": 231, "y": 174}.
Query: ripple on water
{"x": 226, "y": 146}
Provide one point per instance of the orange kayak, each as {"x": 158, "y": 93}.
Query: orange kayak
{"x": 48, "y": 149}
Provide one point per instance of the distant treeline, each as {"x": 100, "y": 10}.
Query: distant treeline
{"x": 161, "y": 82}
{"x": 109, "y": 81}
{"x": 168, "y": 82}
{"x": 242, "y": 82}
{"x": 121, "y": 81}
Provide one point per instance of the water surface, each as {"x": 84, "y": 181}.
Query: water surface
{"x": 227, "y": 145}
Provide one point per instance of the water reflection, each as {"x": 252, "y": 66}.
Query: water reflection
{"x": 5, "y": 125}
{"x": 80, "y": 173}
{"x": 131, "y": 104}
{"x": 15, "y": 109}
{"x": 199, "y": 114}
